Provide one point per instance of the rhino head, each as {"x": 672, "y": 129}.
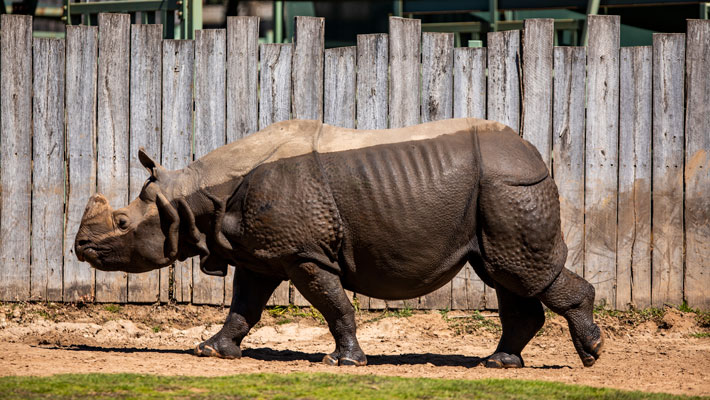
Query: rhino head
{"x": 137, "y": 238}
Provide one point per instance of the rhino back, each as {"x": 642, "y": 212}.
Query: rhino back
{"x": 408, "y": 211}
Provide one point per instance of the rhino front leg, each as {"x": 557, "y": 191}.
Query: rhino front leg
{"x": 521, "y": 318}
{"x": 324, "y": 291}
{"x": 251, "y": 292}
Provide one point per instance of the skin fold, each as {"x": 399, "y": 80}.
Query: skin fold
{"x": 391, "y": 214}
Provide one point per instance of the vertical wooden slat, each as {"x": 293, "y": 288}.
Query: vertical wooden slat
{"x": 145, "y": 131}
{"x": 178, "y": 73}
{"x": 242, "y": 68}
{"x": 568, "y": 149}
{"x": 112, "y": 132}
{"x": 15, "y": 155}
{"x": 467, "y": 289}
{"x": 307, "y": 69}
{"x": 372, "y": 59}
{"x": 602, "y": 156}
{"x": 437, "y": 103}
{"x": 210, "y": 131}
{"x": 668, "y": 98}
{"x": 81, "y": 73}
{"x": 339, "y": 91}
{"x": 274, "y": 83}
{"x": 470, "y": 82}
{"x": 536, "y": 124}
{"x": 404, "y": 57}
{"x": 697, "y": 165}
{"x": 504, "y": 78}
{"x": 633, "y": 271}
{"x": 48, "y": 169}
{"x": 372, "y": 97}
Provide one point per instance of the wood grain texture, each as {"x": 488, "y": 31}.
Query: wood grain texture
{"x": 339, "y": 91}
{"x": 145, "y": 131}
{"x": 242, "y": 71}
{"x": 112, "y": 133}
{"x": 47, "y": 169}
{"x": 274, "y": 83}
{"x": 601, "y": 156}
{"x": 178, "y": 74}
{"x": 668, "y": 98}
{"x": 81, "y": 74}
{"x": 372, "y": 95}
{"x": 15, "y": 155}
{"x": 437, "y": 104}
{"x": 469, "y": 100}
{"x": 242, "y": 76}
{"x": 536, "y": 124}
{"x": 307, "y": 68}
{"x": 470, "y": 82}
{"x": 568, "y": 149}
{"x": 210, "y": 132}
{"x": 697, "y": 165}
{"x": 404, "y": 59}
{"x": 633, "y": 271}
{"x": 504, "y": 78}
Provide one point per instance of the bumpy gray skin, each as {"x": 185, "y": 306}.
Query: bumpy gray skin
{"x": 392, "y": 217}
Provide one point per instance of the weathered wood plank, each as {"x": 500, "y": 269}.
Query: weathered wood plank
{"x": 633, "y": 271}
{"x": 372, "y": 66}
{"x": 470, "y": 82}
{"x": 697, "y": 165}
{"x": 307, "y": 69}
{"x": 404, "y": 59}
{"x": 437, "y": 103}
{"x": 568, "y": 149}
{"x": 504, "y": 78}
{"x": 668, "y": 98}
{"x": 536, "y": 124}
{"x": 467, "y": 289}
{"x": 15, "y": 155}
{"x": 274, "y": 83}
{"x": 210, "y": 131}
{"x": 242, "y": 68}
{"x": 178, "y": 75}
{"x": 48, "y": 169}
{"x": 81, "y": 73}
{"x": 112, "y": 132}
{"x": 339, "y": 91}
{"x": 602, "y": 156}
{"x": 145, "y": 131}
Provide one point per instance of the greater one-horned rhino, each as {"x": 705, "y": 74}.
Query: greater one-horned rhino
{"x": 392, "y": 214}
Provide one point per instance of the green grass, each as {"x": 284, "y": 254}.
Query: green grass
{"x": 298, "y": 386}
{"x": 114, "y": 308}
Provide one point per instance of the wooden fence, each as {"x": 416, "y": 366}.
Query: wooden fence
{"x": 625, "y": 132}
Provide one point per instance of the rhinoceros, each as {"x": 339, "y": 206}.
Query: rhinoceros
{"x": 391, "y": 214}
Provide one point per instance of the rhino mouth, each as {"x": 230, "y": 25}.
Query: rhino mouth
{"x": 91, "y": 255}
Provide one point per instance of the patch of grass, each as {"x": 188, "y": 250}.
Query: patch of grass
{"x": 298, "y": 385}
{"x": 295, "y": 311}
{"x": 472, "y": 323}
{"x": 157, "y": 328}
{"x": 700, "y": 335}
{"x": 633, "y": 316}
{"x": 113, "y": 308}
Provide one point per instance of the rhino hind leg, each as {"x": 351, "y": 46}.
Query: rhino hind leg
{"x": 323, "y": 289}
{"x": 573, "y": 297}
{"x": 251, "y": 292}
{"x": 521, "y": 318}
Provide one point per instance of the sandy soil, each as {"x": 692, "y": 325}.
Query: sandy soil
{"x": 659, "y": 354}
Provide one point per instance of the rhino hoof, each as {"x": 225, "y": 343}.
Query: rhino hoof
{"x": 504, "y": 360}
{"x": 331, "y": 359}
{"x": 210, "y": 350}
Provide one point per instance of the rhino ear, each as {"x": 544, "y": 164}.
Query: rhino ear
{"x": 171, "y": 220}
{"x": 153, "y": 167}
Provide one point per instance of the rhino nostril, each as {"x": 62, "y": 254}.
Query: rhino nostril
{"x": 82, "y": 243}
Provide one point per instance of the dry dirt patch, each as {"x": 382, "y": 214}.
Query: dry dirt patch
{"x": 657, "y": 353}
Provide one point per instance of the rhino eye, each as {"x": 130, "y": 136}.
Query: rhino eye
{"x": 122, "y": 222}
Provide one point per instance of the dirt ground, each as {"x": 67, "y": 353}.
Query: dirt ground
{"x": 655, "y": 352}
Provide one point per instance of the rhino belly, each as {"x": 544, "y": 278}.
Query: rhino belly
{"x": 409, "y": 213}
